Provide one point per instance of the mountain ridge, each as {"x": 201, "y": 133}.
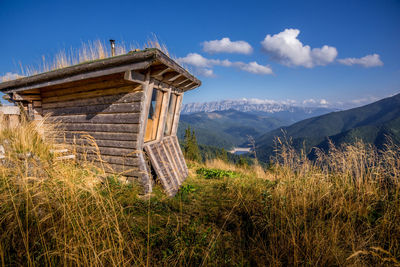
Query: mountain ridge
{"x": 371, "y": 123}
{"x": 250, "y": 105}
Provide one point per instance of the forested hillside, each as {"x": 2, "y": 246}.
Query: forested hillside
{"x": 372, "y": 123}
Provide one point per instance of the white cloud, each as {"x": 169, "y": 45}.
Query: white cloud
{"x": 254, "y": 67}
{"x": 225, "y": 45}
{"x": 195, "y": 59}
{"x": 367, "y": 61}
{"x": 286, "y": 49}
{"x": 10, "y": 76}
{"x": 204, "y": 65}
{"x": 205, "y": 72}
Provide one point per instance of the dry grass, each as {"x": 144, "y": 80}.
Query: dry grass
{"x": 89, "y": 51}
{"x": 341, "y": 210}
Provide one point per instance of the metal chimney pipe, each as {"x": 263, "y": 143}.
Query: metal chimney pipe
{"x": 112, "y": 42}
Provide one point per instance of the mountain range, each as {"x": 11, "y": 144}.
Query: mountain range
{"x": 372, "y": 123}
{"x": 229, "y": 123}
{"x": 284, "y": 111}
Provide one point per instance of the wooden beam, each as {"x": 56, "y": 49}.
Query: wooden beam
{"x": 189, "y": 85}
{"x": 180, "y": 81}
{"x": 192, "y": 87}
{"x": 177, "y": 114}
{"x": 185, "y": 83}
{"x": 170, "y": 77}
{"x": 21, "y": 97}
{"x": 144, "y": 171}
{"x": 160, "y": 71}
{"x": 134, "y": 76}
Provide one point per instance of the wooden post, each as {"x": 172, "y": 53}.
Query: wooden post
{"x": 164, "y": 110}
{"x": 146, "y": 179}
{"x": 177, "y": 114}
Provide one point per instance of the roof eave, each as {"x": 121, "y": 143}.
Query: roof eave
{"x": 117, "y": 63}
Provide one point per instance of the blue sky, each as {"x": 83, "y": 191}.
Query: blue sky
{"x": 316, "y": 52}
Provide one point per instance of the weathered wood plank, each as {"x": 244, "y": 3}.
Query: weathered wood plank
{"x": 170, "y": 166}
{"x": 178, "y": 150}
{"x": 95, "y": 109}
{"x": 126, "y": 161}
{"x": 172, "y": 159}
{"x": 177, "y": 114}
{"x": 100, "y": 143}
{"x": 169, "y": 190}
{"x": 118, "y": 98}
{"x": 109, "y": 151}
{"x": 99, "y": 118}
{"x": 25, "y": 97}
{"x": 107, "y": 127}
{"x": 99, "y": 135}
{"x": 169, "y": 175}
{"x": 173, "y": 155}
{"x": 90, "y": 94}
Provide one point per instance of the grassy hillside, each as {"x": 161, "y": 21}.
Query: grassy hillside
{"x": 370, "y": 123}
{"x": 227, "y": 128}
{"x": 340, "y": 210}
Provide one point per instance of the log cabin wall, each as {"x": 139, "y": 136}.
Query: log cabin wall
{"x": 101, "y": 115}
{"x": 102, "y": 108}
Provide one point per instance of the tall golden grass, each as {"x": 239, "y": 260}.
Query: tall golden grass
{"x": 342, "y": 209}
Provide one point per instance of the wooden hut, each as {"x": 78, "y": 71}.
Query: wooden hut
{"x": 130, "y": 105}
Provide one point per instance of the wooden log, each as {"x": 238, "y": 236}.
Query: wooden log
{"x": 96, "y": 109}
{"x": 126, "y": 161}
{"x": 99, "y": 118}
{"x": 90, "y": 94}
{"x": 37, "y": 104}
{"x": 100, "y": 143}
{"x": 118, "y": 98}
{"x": 23, "y": 97}
{"x": 100, "y": 135}
{"x": 109, "y": 151}
{"x": 108, "y": 127}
